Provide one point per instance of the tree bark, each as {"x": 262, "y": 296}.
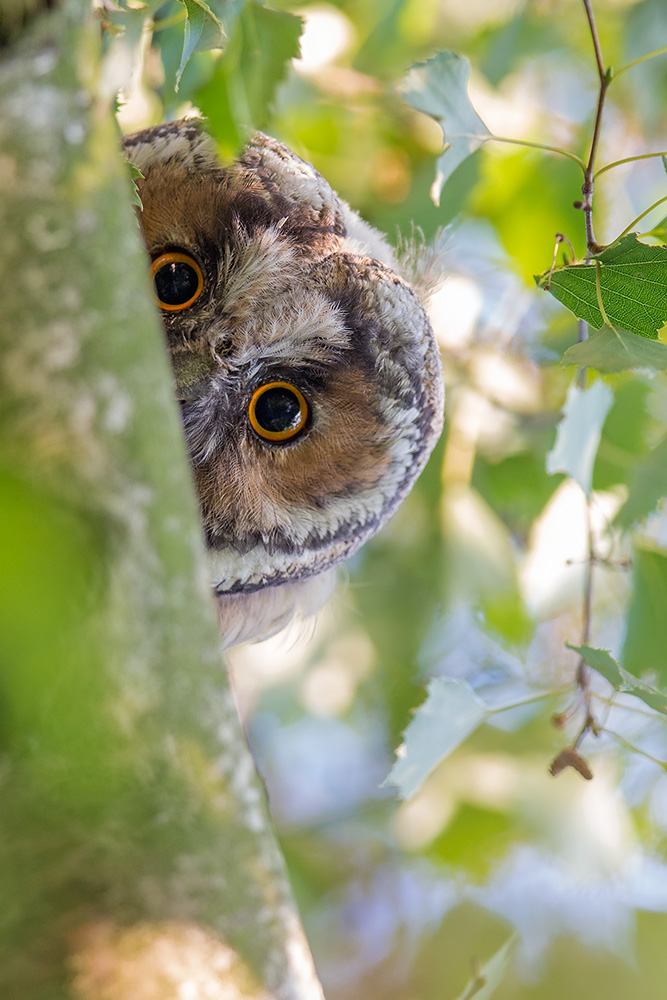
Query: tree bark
{"x": 136, "y": 860}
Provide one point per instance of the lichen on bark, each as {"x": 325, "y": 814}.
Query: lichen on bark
{"x": 131, "y": 811}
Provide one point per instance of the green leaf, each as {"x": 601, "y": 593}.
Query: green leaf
{"x": 203, "y": 30}
{"x": 647, "y": 488}
{"x": 384, "y": 53}
{"x": 646, "y": 629}
{"x": 610, "y": 350}
{"x": 633, "y": 286}
{"x": 474, "y": 839}
{"x": 488, "y": 978}
{"x": 135, "y": 175}
{"x": 239, "y": 95}
{"x": 659, "y": 231}
{"x": 624, "y": 441}
{"x": 620, "y": 679}
{"x": 519, "y": 177}
{"x": 527, "y": 35}
{"x": 578, "y": 434}
{"x": 451, "y": 712}
{"x": 439, "y": 88}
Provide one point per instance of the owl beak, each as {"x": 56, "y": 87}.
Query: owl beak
{"x": 191, "y": 372}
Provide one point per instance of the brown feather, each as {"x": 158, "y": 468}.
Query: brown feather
{"x": 292, "y": 293}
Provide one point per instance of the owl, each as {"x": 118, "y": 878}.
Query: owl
{"x": 305, "y": 367}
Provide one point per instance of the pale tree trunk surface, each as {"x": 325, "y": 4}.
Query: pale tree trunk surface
{"x": 136, "y": 856}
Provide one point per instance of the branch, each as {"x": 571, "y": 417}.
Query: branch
{"x": 596, "y": 41}
{"x": 587, "y": 187}
{"x": 583, "y": 670}
{"x": 136, "y": 841}
{"x": 582, "y": 334}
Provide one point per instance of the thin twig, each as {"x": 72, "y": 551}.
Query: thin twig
{"x": 588, "y": 585}
{"x": 583, "y": 702}
{"x": 583, "y": 670}
{"x": 582, "y": 327}
{"x": 584, "y": 698}
{"x": 587, "y": 187}
{"x": 596, "y": 41}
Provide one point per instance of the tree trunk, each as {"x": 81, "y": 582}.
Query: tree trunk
{"x": 136, "y": 859}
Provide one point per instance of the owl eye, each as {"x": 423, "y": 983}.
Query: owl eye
{"x": 177, "y": 279}
{"x": 277, "y": 411}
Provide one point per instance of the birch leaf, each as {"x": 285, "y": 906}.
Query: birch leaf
{"x": 439, "y": 88}
{"x": 451, "y": 712}
{"x": 579, "y": 431}
{"x": 632, "y": 278}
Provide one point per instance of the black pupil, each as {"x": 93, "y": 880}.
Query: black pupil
{"x": 176, "y": 283}
{"x": 278, "y": 410}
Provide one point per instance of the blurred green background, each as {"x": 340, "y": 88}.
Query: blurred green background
{"x": 479, "y": 576}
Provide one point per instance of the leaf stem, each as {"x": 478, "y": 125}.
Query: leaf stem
{"x": 635, "y": 62}
{"x": 640, "y": 217}
{"x": 166, "y": 22}
{"x": 560, "y": 238}
{"x": 538, "y": 145}
{"x": 598, "y": 292}
{"x": 628, "y": 159}
{"x": 631, "y": 746}
{"x": 612, "y": 702}
{"x": 528, "y": 700}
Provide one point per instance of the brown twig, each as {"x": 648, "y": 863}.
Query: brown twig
{"x": 583, "y": 701}
{"x": 596, "y": 41}
{"x": 583, "y": 670}
{"x": 605, "y": 77}
{"x": 570, "y": 756}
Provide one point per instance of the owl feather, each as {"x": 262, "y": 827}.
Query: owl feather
{"x": 305, "y": 366}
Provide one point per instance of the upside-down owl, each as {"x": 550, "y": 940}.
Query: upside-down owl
{"x": 305, "y": 367}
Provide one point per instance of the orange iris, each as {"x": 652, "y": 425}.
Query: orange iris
{"x": 178, "y": 280}
{"x": 277, "y": 411}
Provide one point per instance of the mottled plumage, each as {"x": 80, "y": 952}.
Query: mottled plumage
{"x": 293, "y": 294}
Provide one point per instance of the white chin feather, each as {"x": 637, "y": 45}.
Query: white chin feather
{"x": 265, "y": 612}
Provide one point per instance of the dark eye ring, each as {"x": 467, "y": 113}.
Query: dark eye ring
{"x": 277, "y": 411}
{"x": 178, "y": 280}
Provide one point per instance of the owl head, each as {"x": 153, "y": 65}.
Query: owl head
{"x": 305, "y": 367}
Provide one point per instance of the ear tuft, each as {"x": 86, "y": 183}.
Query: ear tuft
{"x": 181, "y": 144}
{"x": 296, "y": 179}
{"x": 301, "y": 182}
